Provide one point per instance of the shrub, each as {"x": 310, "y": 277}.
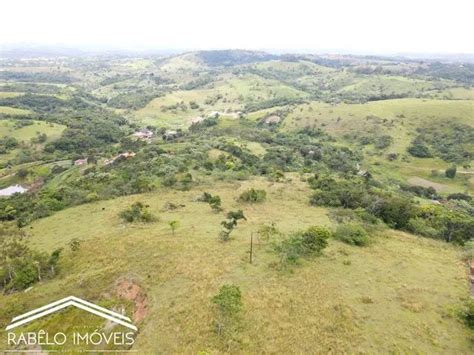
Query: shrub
{"x": 205, "y": 197}
{"x": 229, "y": 306}
{"x": 351, "y": 233}
{"x": 26, "y": 275}
{"x": 265, "y": 232}
{"x": 395, "y": 211}
{"x": 419, "y": 150}
{"x": 74, "y": 244}
{"x": 138, "y": 212}
{"x": 421, "y": 191}
{"x": 215, "y": 203}
{"x": 468, "y": 314}
{"x": 459, "y": 196}
{"x": 451, "y": 172}
{"x": 253, "y": 196}
{"x": 228, "y": 300}
{"x": 420, "y": 226}
{"x": 314, "y": 240}
{"x": 307, "y": 243}
{"x": 383, "y": 142}
{"x": 335, "y": 193}
{"x": 173, "y": 225}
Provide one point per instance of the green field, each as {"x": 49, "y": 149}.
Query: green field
{"x": 13, "y": 111}
{"x": 53, "y": 131}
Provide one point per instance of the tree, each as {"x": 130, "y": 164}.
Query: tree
{"x": 215, "y": 203}
{"x": 451, "y": 172}
{"x": 230, "y": 223}
{"x": 22, "y": 173}
{"x": 173, "y": 225}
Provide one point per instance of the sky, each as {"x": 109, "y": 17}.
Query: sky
{"x": 358, "y": 26}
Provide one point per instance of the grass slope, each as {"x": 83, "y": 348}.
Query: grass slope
{"x": 344, "y": 301}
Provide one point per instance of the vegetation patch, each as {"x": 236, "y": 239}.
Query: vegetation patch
{"x": 253, "y": 196}
{"x": 138, "y": 212}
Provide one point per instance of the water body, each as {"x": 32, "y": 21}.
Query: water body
{"x": 10, "y": 190}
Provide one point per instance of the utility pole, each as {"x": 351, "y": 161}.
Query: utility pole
{"x": 251, "y": 247}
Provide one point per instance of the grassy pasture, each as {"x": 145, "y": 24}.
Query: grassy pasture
{"x": 389, "y": 85}
{"x": 398, "y": 118}
{"x": 24, "y": 134}
{"x": 13, "y": 111}
{"x": 234, "y": 93}
{"x": 459, "y": 93}
{"x": 52, "y": 130}
{"x": 6, "y": 95}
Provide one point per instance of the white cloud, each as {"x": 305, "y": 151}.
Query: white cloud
{"x": 353, "y": 25}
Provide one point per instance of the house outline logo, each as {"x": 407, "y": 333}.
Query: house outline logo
{"x": 66, "y": 302}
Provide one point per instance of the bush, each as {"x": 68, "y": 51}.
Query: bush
{"x": 228, "y": 300}
{"x": 229, "y": 305}
{"x": 459, "y": 196}
{"x": 336, "y": 193}
{"x": 138, "y": 212}
{"x": 307, "y": 243}
{"x": 214, "y": 201}
{"x": 469, "y": 314}
{"x": 314, "y": 240}
{"x": 353, "y": 234}
{"x": 451, "y": 172}
{"x": 253, "y": 196}
{"x": 266, "y": 232}
{"x": 74, "y": 244}
{"x": 419, "y": 150}
{"x": 421, "y": 227}
{"x": 421, "y": 191}
{"x": 395, "y": 211}
{"x": 383, "y": 142}
{"x": 26, "y": 275}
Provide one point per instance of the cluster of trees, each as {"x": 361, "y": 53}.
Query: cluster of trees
{"x": 20, "y": 266}
{"x": 453, "y": 223}
{"x": 152, "y": 166}
{"x": 37, "y": 77}
{"x": 7, "y": 143}
{"x": 133, "y": 100}
{"x": 379, "y": 142}
{"x": 449, "y": 142}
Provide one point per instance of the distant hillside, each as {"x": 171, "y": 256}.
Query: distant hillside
{"x": 233, "y": 57}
